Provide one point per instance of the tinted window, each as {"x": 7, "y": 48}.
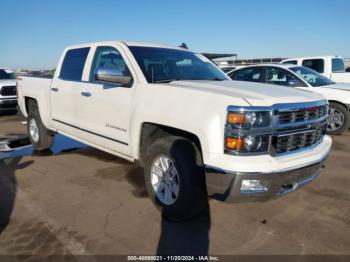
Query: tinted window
{"x": 252, "y": 74}
{"x": 6, "y": 74}
{"x": 73, "y": 64}
{"x": 166, "y": 65}
{"x": 315, "y": 64}
{"x": 279, "y": 76}
{"x": 311, "y": 76}
{"x": 108, "y": 57}
{"x": 291, "y": 62}
{"x": 338, "y": 65}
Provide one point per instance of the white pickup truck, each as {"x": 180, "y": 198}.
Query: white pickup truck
{"x": 195, "y": 132}
{"x": 8, "y": 96}
{"x": 332, "y": 67}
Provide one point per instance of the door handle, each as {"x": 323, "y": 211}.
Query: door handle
{"x": 87, "y": 94}
{"x": 54, "y": 89}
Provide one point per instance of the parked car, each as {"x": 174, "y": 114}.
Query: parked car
{"x": 195, "y": 132}
{"x": 8, "y": 97}
{"x": 338, "y": 94}
{"x": 332, "y": 67}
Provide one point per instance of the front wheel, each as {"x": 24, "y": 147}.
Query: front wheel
{"x": 339, "y": 119}
{"x": 175, "y": 178}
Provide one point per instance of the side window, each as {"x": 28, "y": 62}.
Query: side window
{"x": 252, "y": 74}
{"x": 108, "y": 58}
{"x": 290, "y": 62}
{"x": 73, "y": 64}
{"x": 279, "y": 76}
{"x": 338, "y": 65}
{"x": 315, "y": 64}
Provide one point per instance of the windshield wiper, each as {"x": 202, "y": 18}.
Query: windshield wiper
{"x": 165, "y": 80}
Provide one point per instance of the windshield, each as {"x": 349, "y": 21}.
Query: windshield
{"x": 6, "y": 74}
{"x": 161, "y": 65}
{"x": 311, "y": 76}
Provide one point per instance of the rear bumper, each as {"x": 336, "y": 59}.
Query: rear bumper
{"x": 226, "y": 186}
{"x": 8, "y": 104}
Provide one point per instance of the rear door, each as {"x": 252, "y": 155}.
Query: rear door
{"x": 105, "y": 108}
{"x": 64, "y": 90}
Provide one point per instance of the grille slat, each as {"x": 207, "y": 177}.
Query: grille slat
{"x": 302, "y": 114}
{"x": 8, "y": 91}
{"x": 286, "y": 141}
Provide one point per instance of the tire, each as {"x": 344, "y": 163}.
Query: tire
{"x": 42, "y": 139}
{"x": 339, "y": 121}
{"x": 185, "y": 157}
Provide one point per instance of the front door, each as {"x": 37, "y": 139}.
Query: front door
{"x": 105, "y": 108}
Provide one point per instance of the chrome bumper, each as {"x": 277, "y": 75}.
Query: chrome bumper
{"x": 226, "y": 186}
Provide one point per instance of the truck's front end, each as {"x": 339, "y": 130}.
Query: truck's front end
{"x": 269, "y": 151}
{"x": 8, "y": 96}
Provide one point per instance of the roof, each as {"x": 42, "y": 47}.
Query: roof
{"x": 285, "y": 66}
{"x": 314, "y": 57}
{"x": 128, "y": 43}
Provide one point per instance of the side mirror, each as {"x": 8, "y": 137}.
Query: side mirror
{"x": 112, "y": 75}
{"x": 294, "y": 83}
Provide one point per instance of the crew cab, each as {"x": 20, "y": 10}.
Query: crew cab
{"x": 8, "y": 97}
{"x": 195, "y": 132}
{"x": 338, "y": 94}
{"x": 332, "y": 67}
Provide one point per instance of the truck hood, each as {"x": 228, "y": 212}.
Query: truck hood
{"x": 340, "y": 86}
{"x": 256, "y": 94}
{"x": 7, "y": 82}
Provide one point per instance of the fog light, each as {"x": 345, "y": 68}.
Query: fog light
{"x": 254, "y": 185}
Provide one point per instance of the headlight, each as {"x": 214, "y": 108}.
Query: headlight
{"x": 249, "y": 119}
{"x": 248, "y": 143}
{"x": 248, "y": 130}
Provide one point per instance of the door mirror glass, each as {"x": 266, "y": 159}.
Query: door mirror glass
{"x": 112, "y": 75}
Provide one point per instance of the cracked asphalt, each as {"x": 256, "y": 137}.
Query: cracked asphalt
{"x": 84, "y": 201}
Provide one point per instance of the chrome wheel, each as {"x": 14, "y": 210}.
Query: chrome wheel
{"x": 165, "y": 180}
{"x": 336, "y": 120}
{"x": 33, "y": 130}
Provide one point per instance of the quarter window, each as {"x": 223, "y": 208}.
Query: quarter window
{"x": 73, "y": 64}
{"x": 315, "y": 64}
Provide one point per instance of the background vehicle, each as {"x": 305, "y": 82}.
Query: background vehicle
{"x": 8, "y": 97}
{"x": 338, "y": 94}
{"x": 332, "y": 67}
{"x": 195, "y": 132}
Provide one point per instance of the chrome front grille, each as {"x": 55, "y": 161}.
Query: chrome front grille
{"x": 301, "y": 115}
{"x": 290, "y": 142}
{"x": 8, "y": 91}
{"x": 298, "y": 127}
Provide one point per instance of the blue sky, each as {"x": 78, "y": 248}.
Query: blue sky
{"x": 34, "y": 32}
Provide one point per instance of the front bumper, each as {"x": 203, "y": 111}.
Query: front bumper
{"x": 8, "y": 104}
{"x": 226, "y": 186}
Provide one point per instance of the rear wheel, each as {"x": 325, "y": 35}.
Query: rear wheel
{"x": 174, "y": 178}
{"x": 40, "y": 137}
{"x": 339, "y": 119}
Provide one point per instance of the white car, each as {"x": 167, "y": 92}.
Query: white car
{"x": 195, "y": 132}
{"x": 338, "y": 94}
{"x": 8, "y": 97}
{"x": 332, "y": 67}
